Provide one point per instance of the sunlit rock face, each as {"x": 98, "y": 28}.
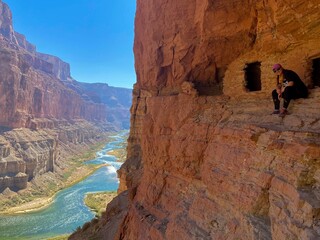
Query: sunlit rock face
{"x": 206, "y": 160}
{"x": 27, "y": 93}
{"x": 217, "y": 165}
{"x": 26, "y": 154}
{"x": 37, "y": 85}
{"x": 44, "y": 111}
{"x": 117, "y": 100}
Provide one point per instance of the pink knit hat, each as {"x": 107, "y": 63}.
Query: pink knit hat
{"x": 277, "y": 66}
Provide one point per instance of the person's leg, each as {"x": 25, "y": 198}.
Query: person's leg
{"x": 276, "y": 101}
{"x": 288, "y": 94}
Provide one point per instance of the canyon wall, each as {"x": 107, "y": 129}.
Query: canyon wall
{"x": 44, "y": 111}
{"x": 206, "y": 160}
{"x": 26, "y": 154}
{"x": 37, "y": 85}
{"x": 117, "y": 100}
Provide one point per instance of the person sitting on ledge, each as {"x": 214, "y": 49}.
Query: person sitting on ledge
{"x": 289, "y": 86}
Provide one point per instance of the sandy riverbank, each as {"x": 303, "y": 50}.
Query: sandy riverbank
{"x": 120, "y": 154}
{"x": 35, "y": 205}
{"x": 41, "y": 193}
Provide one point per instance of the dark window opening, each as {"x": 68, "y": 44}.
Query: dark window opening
{"x": 316, "y": 72}
{"x": 253, "y": 76}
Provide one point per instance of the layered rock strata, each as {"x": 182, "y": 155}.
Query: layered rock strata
{"x": 117, "y": 100}
{"x": 42, "y": 113}
{"x": 36, "y": 85}
{"x": 27, "y": 93}
{"x": 206, "y": 160}
{"x": 26, "y": 154}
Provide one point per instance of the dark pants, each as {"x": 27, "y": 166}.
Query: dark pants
{"x": 289, "y": 93}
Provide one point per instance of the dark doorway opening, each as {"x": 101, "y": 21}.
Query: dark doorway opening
{"x": 253, "y": 76}
{"x": 316, "y": 72}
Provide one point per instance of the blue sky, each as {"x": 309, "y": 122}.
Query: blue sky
{"x": 94, "y": 36}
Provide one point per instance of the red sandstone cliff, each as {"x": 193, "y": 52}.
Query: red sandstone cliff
{"x": 43, "y": 111}
{"x": 205, "y": 158}
{"x": 36, "y": 85}
{"x": 31, "y": 83}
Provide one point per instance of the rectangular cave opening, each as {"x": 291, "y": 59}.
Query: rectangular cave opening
{"x": 253, "y": 76}
{"x": 316, "y": 72}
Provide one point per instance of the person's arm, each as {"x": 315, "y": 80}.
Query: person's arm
{"x": 288, "y": 76}
{"x": 278, "y": 86}
{"x": 277, "y": 81}
{"x": 289, "y": 84}
{"x": 291, "y": 77}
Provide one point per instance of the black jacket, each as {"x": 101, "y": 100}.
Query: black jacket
{"x": 300, "y": 87}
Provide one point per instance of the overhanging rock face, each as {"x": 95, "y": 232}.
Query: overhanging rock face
{"x": 205, "y": 159}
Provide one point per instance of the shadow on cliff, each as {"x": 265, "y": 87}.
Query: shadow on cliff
{"x": 4, "y": 129}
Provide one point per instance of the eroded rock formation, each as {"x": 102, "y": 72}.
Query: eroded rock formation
{"x": 36, "y": 85}
{"x": 44, "y": 111}
{"x": 25, "y": 153}
{"x": 216, "y": 165}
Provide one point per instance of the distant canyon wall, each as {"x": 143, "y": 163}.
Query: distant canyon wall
{"x": 205, "y": 159}
{"x": 26, "y": 154}
{"x": 44, "y": 111}
{"x": 27, "y": 94}
{"x": 36, "y": 85}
